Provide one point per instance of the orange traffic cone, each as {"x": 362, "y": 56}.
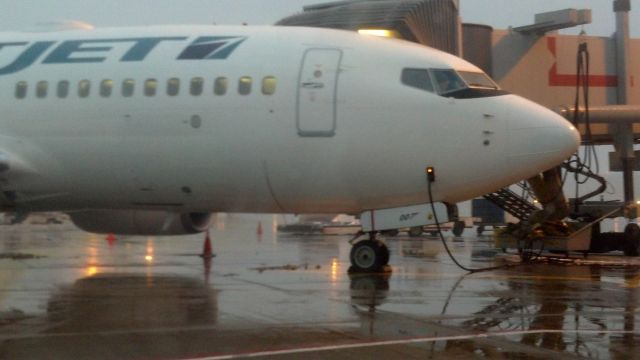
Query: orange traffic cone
{"x": 259, "y": 230}
{"x": 207, "y": 251}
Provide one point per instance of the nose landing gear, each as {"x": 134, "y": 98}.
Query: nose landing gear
{"x": 369, "y": 256}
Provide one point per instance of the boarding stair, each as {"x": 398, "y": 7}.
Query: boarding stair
{"x": 512, "y": 203}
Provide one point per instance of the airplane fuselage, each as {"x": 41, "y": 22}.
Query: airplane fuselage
{"x": 266, "y": 119}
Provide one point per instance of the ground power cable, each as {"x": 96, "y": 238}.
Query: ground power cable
{"x": 582, "y": 165}
{"x": 446, "y": 247}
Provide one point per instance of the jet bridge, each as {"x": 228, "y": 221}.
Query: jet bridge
{"x": 433, "y": 23}
{"x": 605, "y": 108}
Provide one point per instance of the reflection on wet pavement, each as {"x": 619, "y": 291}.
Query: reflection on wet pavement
{"x": 131, "y": 301}
{"x": 82, "y": 296}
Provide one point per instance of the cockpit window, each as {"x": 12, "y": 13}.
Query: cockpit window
{"x": 447, "y": 81}
{"x": 451, "y": 83}
{"x": 478, "y": 80}
{"x": 417, "y": 78}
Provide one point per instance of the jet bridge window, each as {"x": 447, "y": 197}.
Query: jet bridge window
{"x": 269, "y": 85}
{"x": 21, "y": 89}
{"x": 106, "y": 87}
{"x": 42, "y": 88}
{"x": 197, "y": 84}
{"x": 150, "y": 87}
{"x": 173, "y": 86}
{"x": 63, "y": 89}
{"x": 84, "y": 88}
{"x": 220, "y": 87}
{"x": 244, "y": 85}
{"x": 417, "y": 78}
{"x": 128, "y": 87}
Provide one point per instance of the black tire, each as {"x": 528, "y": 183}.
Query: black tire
{"x": 632, "y": 240}
{"x": 415, "y": 231}
{"x": 458, "y": 228}
{"x": 480, "y": 229}
{"x": 369, "y": 256}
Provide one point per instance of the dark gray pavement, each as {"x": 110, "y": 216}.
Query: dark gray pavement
{"x": 65, "y": 294}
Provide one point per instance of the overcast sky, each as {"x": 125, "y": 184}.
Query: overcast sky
{"x": 25, "y": 14}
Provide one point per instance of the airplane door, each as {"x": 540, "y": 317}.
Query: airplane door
{"x": 317, "y": 92}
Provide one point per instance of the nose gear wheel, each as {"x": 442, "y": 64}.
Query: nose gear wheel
{"x": 369, "y": 256}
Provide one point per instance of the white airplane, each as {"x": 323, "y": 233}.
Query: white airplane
{"x": 149, "y": 130}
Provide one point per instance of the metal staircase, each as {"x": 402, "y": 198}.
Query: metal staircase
{"x": 512, "y": 203}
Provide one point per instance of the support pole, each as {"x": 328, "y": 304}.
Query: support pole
{"x": 627, "y": 176}
{"x": 622, "y": 9}
{"x": 623, "y": 133}
{"x": 623, "y": 142}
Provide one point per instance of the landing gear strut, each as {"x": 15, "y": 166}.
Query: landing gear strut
{"x": 369, "y": 256}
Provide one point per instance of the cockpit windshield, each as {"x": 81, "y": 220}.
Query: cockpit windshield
{"x": 478, "y": 80}
{"x": 447, "y": 81}
{"x": 451, "y": 83}
{"x": 450, "y": 80}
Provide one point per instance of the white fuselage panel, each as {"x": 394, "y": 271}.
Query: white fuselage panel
{"x": 266, "y": 119}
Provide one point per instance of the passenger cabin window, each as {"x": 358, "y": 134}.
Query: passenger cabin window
{"x": 21, "y": 89}
{"x": 63, "y": 89}
{"x": 196, "y": 86}
{"x": 269, "y": 85}
{"x": 448, "y": 81}
{"x": 84, "y": 88}
{"x": 173, "y": 86}
{"x": 417, "y": 78}
{"x": 41, "y": 89}
{"x": 128, "y": 87}
{"x": 220, "y": 87}
{"x": 244, "y": 85}
{"x": 106, "y": 87}
{"x": 150, "y": 87}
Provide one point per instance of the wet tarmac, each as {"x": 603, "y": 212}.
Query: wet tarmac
{"x": 65, "y": 294}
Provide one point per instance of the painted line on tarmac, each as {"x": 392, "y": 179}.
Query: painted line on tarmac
{"x": 404, "y": 342}
{"x": 629, "y": 283}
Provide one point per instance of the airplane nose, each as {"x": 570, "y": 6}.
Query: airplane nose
{"x": 539, "y": 137}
